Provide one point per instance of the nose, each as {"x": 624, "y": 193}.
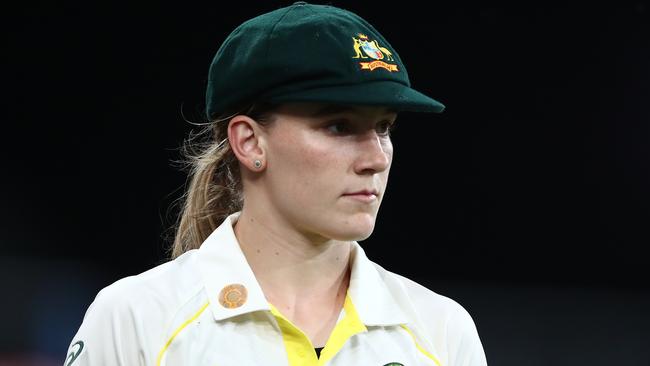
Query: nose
{"x": 375, "y": 153}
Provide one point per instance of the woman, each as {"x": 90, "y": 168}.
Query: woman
{"x": 266, "y": 267}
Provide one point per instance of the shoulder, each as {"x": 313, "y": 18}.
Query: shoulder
{"x": 447, "y": 325}
{"x": 128, "y": 318}
{"x": 149, "y": 297}
{"x": 163, "y": 286}
{"x": 422, "y": 297}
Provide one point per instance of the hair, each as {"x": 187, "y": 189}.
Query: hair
{"x": 215, "y": 186}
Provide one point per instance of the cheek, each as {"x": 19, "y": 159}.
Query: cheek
{"x": 295, "y": 151}
{"x": 303, "y": 161}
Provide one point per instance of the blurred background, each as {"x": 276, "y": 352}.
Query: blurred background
{"x": 527, "y": 200}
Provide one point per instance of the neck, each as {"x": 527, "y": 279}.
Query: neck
{"x": 293, "y": 270}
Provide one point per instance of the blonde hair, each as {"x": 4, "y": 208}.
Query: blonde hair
{"x": 215, "y": 186}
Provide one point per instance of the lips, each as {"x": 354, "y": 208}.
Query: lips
{"x": 366, "y": 196}
{"x": 365, "y": 192}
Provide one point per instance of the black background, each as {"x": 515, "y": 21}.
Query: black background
{"x": 535, "y": 177}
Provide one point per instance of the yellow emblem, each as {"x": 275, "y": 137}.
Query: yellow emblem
{"x": 364, "y": 48}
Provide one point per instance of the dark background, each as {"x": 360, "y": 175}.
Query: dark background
{"x": 527, "y": 200}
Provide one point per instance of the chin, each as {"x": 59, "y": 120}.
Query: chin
{"x": 350, "y": 236}
{"x": 357, "y": 229}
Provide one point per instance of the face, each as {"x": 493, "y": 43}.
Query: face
{"x": 327, "y": 167}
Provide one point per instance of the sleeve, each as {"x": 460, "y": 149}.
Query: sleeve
{"x": 109, "y": 334}
{"x": 465, "y": 348}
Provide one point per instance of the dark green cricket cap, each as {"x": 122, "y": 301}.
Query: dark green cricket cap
{"x": 310, "y": 53}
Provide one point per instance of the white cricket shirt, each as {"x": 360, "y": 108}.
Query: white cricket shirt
{"x": 206, "y": 308}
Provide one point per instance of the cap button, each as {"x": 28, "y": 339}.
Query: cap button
{"x": 300, "y": 3}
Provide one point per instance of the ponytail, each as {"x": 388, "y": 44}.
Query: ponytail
{"x": 215, "y": 188}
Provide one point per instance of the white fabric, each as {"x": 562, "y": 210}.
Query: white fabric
{"x": 138, "y": 319}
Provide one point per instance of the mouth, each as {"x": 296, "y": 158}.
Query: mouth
{"x": 363, "y": 195}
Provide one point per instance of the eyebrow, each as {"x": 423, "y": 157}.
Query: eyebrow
{"x": 336, "y": 108}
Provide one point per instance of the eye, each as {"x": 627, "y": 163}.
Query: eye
{"x": 339, "y": 127}
{"x": 385, "y": 127}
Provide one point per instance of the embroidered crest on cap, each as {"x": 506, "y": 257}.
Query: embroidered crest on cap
{"x": 366, "y": 48}
{"x": 233, "y": 296}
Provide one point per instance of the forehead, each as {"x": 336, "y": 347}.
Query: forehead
{"x": 316, "y": 110}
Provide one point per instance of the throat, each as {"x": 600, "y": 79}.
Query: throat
{"x": 315, "y": 315}
{"x": 315, "y": 320}
{"x": 303, "y": 307}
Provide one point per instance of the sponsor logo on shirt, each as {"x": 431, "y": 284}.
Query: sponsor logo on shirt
{"x": 75, "y": 351}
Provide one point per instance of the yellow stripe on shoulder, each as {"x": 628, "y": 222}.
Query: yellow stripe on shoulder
{"x": 420, "y": 348}
{"x": 178, "y": 330}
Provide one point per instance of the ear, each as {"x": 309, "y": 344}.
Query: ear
{"x": 246, "y": 142}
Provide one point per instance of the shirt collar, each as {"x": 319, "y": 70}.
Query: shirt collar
{"x": 372, "y": 299}
{"x": 221, "y": 263}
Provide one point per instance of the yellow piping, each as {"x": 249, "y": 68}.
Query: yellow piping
{"x": 420, "y": 347}
{"x": 178, "y": 330}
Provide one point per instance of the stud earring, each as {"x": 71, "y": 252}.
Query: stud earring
{"x": 258, "y": 164}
